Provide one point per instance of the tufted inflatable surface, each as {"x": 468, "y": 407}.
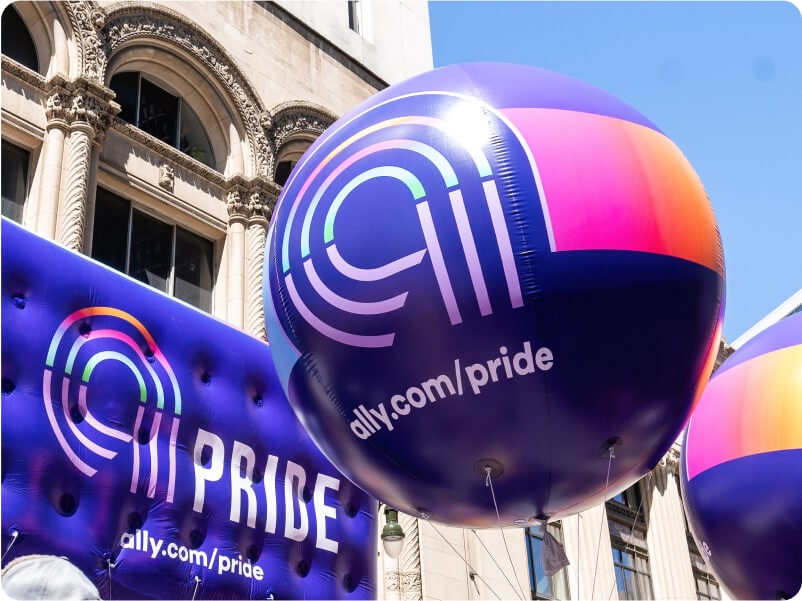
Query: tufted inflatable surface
{"x": 152, "y": 445}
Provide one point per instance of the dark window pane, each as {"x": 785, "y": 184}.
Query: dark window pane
{"x": 619, "y": 582}
{"x": 158, "y": 112}
{"x": 283, "y": 170}
{"x": 193, "y": 269}
{"x": 14, "y": 180}
{"x": 353, "y": 15}
{"x": 110, "y": 232}
{"x": 126, "y": 86}
{"x": 194, "y": 140}
{"x": 151, "y": 251}
{"x": 17, "y": 42}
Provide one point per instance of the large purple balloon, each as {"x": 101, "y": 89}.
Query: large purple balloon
{"x": 742, "y": 467}
{"x": 491, "y": 268}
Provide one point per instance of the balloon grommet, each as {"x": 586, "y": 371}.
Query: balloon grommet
{"x": 488, "y": 467}
{"x": 609, "y": 447}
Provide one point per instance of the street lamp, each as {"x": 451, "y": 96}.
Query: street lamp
{"x": 392, "y": 533}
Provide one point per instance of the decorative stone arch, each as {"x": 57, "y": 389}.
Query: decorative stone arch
{"x": 48, "y": 24}
{"x": 86, "y": 20}
{"x": 231, "y": 99}
{"x": 292, "y": 127}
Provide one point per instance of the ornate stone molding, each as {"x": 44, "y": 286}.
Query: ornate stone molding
{"x": 408, "y": 584}
{"x": 87, "y": 21}
{"x": 23, "y": 73}
{"x": 166, "y": 176}
{"x": 671, "y": 460}
{"x": 175, "y": 156}
{"x": 666, "y": 468}
{"x": 724, "y": 351}
{"x": 127, "y": 21}
{"x": 292, "y": 119}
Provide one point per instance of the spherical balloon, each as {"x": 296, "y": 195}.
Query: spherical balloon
{"x": 741, "y": 471}
{"x": 493, "y": 270}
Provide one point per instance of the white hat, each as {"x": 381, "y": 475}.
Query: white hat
{"x": 46, "y": 577}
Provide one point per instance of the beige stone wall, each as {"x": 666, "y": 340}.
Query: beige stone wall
{"x": 260, "y": 80}
{"x": 439, "y": 559}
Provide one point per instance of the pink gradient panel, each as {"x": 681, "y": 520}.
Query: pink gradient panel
{"x": 616, "y": 185}
{"x": 755, "y": 407}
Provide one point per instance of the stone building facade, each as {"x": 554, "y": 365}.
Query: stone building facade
{"x": 249, "y": 84}
{"x": 155, "y": 136}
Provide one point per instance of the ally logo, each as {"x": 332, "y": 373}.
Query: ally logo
{"x": 399, "y": 173}
{"x": 105, "y": 342}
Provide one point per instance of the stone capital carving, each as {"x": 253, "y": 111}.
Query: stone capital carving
{"x": 671, "y": 460}
{"x": 55, "y": 109}
{"x": 667, "y": 467}
{"x": 259, "y": 207}
{"x": 81, "y": 102}
{"x": 236, "y": 208}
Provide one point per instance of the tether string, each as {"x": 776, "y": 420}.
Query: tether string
{"x": 489, "y": 482}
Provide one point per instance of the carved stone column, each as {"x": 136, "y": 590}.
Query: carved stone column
{"x": 669, "y": 561}
{"x": 402, "y": 576}
{"x": 260, "y": 208}
{"x": 591, "y": 574}
{"x": 89, "y": 115}
{"x": 235, "y": 241}
{"x": 52, "y": 160}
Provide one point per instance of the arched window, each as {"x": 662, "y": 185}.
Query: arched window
{"x": 288, "y": 156}
{"x": 162, "y": 114}
{"x": 17, "y": 42}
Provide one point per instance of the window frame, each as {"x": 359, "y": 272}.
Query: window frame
{"x": 27, "y": 175}
{"x": 555, "y": 529}
{"x": 180, "y": 117}
{"x": 640, "y": 570}
{"x": 709, "y": 580}
{"x": 354, "y": 16}
{"x": 148, "y": 212}
{"x": 27, "y": 32}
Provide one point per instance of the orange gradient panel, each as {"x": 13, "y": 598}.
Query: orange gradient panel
{"x": 610, "y": 184}
{"x": 754, "y": 407}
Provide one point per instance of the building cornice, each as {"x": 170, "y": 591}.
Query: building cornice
{"x": 23, "y": 73}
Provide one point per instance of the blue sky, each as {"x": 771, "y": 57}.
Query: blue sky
{"x": 722, "y": 79}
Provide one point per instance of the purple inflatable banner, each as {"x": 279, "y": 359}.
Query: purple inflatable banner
{"x": 153, "y": 447}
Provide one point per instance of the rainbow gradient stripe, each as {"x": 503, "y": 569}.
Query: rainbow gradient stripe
{"x": 127, "y": 317}
{"x": 340, "y": 153}
{"x": 753, "y": 407}
{"x": 85, "y": 351}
